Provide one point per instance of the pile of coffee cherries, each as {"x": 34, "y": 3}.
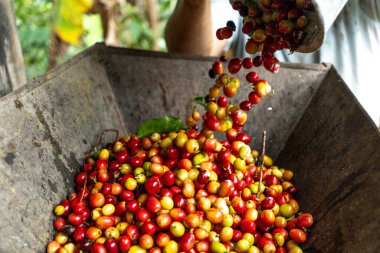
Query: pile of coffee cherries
{"x": 271, "y": 25}
{"x": 184, "y": 191}
{"x": 180, "y": 192}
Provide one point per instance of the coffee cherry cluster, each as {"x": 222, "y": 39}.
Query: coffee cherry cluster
{"x": 272, "y": 25}
{"x": 180, "y": 192}
{"x": 221, "y": 115}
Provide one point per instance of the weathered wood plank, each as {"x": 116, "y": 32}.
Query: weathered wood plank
{"x": 45, "y": 127}
{"x": 335, "y": 153}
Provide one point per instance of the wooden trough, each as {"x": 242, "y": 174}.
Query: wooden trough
{"x": 314, "y": 125}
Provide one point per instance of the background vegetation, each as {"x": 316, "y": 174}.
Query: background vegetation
{"x": 41, "y": 24}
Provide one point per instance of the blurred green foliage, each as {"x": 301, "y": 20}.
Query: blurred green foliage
{"x": 34, "y": 22}
{"x": 134, "y": 28}
{"x": 33, "y": 19}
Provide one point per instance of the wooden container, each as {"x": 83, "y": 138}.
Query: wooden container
{"x": 314, "y": 124}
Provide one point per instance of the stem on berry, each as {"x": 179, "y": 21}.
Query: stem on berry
{"x": 261, "y": 164}
{"x": 84, "y": 189}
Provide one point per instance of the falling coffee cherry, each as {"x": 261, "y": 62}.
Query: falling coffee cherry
{"x": 234, "y": 65}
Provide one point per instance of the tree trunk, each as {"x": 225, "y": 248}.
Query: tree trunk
{"x": 12, "y": 72}
{"x": 153, "y": 17}
{"x": 57, "y": 48}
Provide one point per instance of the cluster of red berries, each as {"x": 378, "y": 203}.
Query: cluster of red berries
{"x": 180, "y": 192}
{"x": 272, "y": 25}
{"x": 221, "y": 115}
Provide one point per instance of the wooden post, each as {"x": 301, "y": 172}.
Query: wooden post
{"x": 12, "y": 72}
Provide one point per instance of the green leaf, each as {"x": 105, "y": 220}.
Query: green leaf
{"x": 161, "y": 125}
{"x": 200, "y": 100}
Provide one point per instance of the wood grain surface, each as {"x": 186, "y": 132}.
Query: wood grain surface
{"x": 335, "y": 153}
